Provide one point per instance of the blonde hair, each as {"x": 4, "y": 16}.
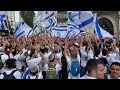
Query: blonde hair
{"x": 73, "y": 54}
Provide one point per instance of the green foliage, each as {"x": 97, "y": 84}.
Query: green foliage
{"x": 28, "y": 17}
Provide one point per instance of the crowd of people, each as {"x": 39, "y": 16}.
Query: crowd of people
{"x": 48, "y": 57}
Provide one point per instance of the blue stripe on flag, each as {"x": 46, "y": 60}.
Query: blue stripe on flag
{"x": 26, "y": 73}
{"x": 83, "y": 24}
{"x": 73, "y": 26}
{"x": 17, "y": 28}
{"x": 59, "y": 29}
{"x": 69, "y": 32}
{"x": 34, "y": 27}
{"x": 35, "y": 31}
{"x": 77, "y": 35}
{"x": 87, "y": 22}
{"x": 50, "y": 26}
{"x": 29, "y": 33}
{"x": 98, "y": 31}
{"x": 3, "y": 17}
{"x": 20, "y": 34}
{"x": 74, "y": 16}
{"x": 50, "y": 16}
{"x": 2, "y": 26}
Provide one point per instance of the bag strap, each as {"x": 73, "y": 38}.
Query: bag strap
{"x": 10, "y": 73}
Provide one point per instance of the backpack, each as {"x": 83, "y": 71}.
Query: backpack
{"x": 75, "y": 68}
{"x": 10, "y": 76}
{"x": 51, "y": 72}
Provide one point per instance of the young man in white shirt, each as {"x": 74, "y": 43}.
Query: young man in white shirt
{"x": 55, "y": 67}
{"x": 34, "y": 73}
{"x": 95, "y": 70}
{"x": 74, "y": 55}
{"x": 11, "y": 70}
{"x": 115, "y": 71}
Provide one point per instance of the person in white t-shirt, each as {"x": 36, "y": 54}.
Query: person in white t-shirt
{"x": 84, "y": 48}
{"x": 95, "y": 70}
{"x": 10, "y": 69}
{"x": 74, "y": 55}
{"x": 33, "y": 61}
{"x": 111, "y": 55}
{"x": 52, "y": 65}
{"x": 34, "y": 73}
{"x": 115, "y": 71}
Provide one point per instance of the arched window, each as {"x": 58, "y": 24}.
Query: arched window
{"x": 107, "y": 25}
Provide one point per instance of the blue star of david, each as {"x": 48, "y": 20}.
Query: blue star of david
{"x": 50, "y": 21}
{"x": 58, "y": 33}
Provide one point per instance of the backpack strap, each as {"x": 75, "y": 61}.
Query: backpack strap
{"x": 10, "y": 73}
{"x": 13, "y": 72}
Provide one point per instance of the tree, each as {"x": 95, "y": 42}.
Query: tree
{"x": 28, "y": 17}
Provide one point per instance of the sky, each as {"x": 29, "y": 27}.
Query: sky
{"x": 17, "y": 15}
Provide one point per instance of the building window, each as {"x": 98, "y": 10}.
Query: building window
{"x": 62, "y": 18}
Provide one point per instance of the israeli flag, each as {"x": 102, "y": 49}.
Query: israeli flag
{"x": 28, "y": 30}
{"x": 3, "y": 26}
{"x": 22, "y": 30}
{"x": 84, "y": 19}
{"x": 3, "y": 17}
{"x": 73, "y": 30}
{"x": 80, "y": 34}
{"x": 36, "y": 30}
{"x": 47, "y": 18}
{"x": 100, "y": 32}
{"x": 18, "y": 31}
{"x": 59, "y": 32}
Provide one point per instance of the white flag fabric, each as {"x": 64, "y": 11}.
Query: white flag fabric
{"x": 22, "y": 30}
{"x": 18, "y": 32}
{"x": 83, "y": 19}
{"x": 28, "y": 30}
{"x": 47, "y": 18}
{"x": 100, "y": 32}
{"x": 59, "y": 32}
{"x": 36, "y": 30}
{"x": 3, "y": 12}
{"x": 73, "y": 30}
